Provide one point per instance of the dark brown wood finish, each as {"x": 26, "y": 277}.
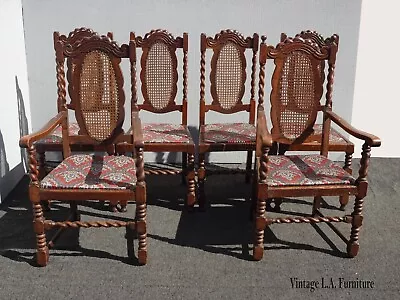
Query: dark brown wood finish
{"x": 227, "y": 86}
{"x": 263, "y": 190}
{"x": 80, "y": 51}
{"x": 159, "y": 77}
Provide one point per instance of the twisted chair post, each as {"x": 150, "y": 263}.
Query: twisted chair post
{"x": 330, "y": 180}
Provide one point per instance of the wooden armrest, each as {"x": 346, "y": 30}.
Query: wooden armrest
{"x": 136, "y": 128}
{"x": 27, "y": 140}
{"x": 370, "y": 139}
{"x": 263, "y": 137}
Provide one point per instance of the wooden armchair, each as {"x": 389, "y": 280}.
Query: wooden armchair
{"x": 296, "y": 92}
{"x": 159, "y": 78}
{"x": 53, "y": 141}
{"x": 98, "y": 101}
{"x": 228, "y": 83}
{"x": 337, "y": 142}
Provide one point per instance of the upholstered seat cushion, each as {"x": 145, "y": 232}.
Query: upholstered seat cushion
{"x": 228, "y": 133}
{"x": 334, "y": 136}
{"x": 56, "y": 136}
{"x": 165, "y": 133}
{"x": 295, "y": 170}
{"x": 84, "y": 171}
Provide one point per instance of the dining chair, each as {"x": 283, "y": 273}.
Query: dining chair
{"x": 97, "y": 98}
{"x": 297, "y": 88}
{"x": 228, "y": 83}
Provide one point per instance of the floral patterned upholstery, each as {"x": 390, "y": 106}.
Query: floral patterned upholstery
{"x": 291, "y": 170}
{"x": 84, "y": 171}
{"x": 165, "y": 133}
{"x": 229, "y": 133}
{"x": 56, "y": 136}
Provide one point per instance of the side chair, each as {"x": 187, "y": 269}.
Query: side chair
{"x": 228, "y": 78}
{"x": 159, "y": 79}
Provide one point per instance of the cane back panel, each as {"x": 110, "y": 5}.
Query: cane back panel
{"x": 296, "y": 88}
{"x": 159, "y": 74}
{"x": 228, "y": 69}
{"x": 97, "y": 94}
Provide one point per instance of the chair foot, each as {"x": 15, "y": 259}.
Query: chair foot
{"x": 191, "y": 182}
{"x": 123, "y": 208}
{"x": 343, "y": 201}
{"x": 352, "y": 249}
{"x": 46, "y": 205}
{"x": 142, "y": 257}
{"x": 113, "y": 208}
{"x": 42, "y": 257}
{"x": 258, "y": 253}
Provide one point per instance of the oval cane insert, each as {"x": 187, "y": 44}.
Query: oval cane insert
{"x": 159, "y": 78}
{"x": 229, "y": 76}
{"x": 98, "y": 95}
{"x": 297, "y": 95}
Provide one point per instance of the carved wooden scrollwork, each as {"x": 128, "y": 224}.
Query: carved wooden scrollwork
{"x": 229, "y": 35}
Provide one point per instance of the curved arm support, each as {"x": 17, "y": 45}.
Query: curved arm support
{"x": 28, "y": 140}
{"x": 370, "y": 139}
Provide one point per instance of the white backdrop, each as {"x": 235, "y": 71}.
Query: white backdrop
{"x": 43, "y": 17}
{"x": 14, "y": 99}
{"x": 376, "y": 96}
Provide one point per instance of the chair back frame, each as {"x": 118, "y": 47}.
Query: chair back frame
{"x": 297, "y": 87}
{"x": 159, "y": 65}
{"x": 87, "y": 55}
{"x": 229, "y": 48}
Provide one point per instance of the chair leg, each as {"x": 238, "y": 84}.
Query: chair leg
{"x": 42, "y": 163}
{"x": 74, "y": 211}
{"x": 343, "y": 201}
{"x": 42, "y": 251}
{"x": 123, "y": 205}
{"x": 253, "y": 194}
{"x": 347, "y": 166}
{"x": 113, "y": 206}
{"x": 201, "y": 177}
{"x": 347, "y": 162}
{"x": 316, "y": 204}
{"x": 42, "y": 173}
{"x": 184, "y": 167}
{"x": 248, "y": 166}
{"x": 191, "y": 185}
{"x": 258, "y": 250}
{"x": 141, "y": 223}
{"x": 353, "y": 245}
